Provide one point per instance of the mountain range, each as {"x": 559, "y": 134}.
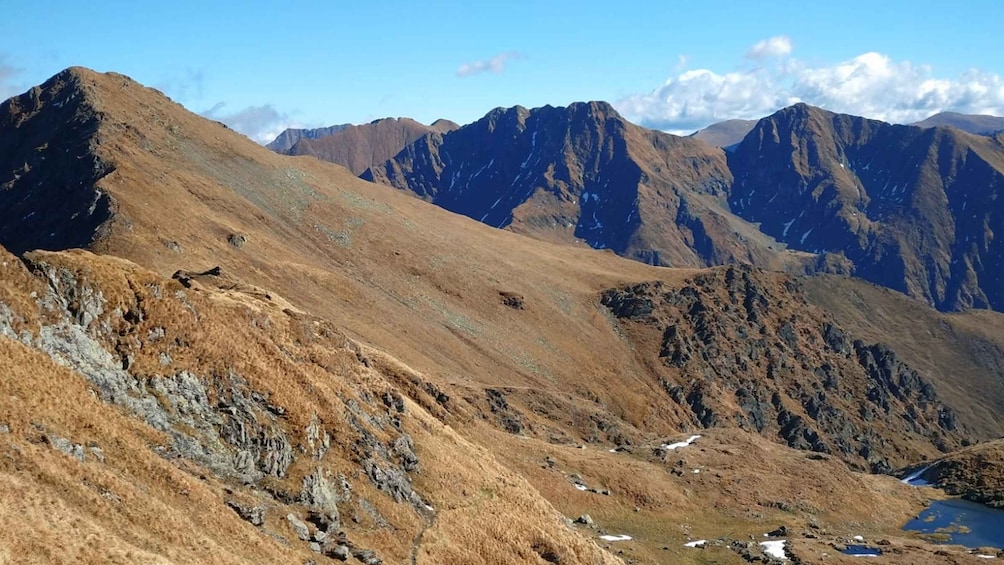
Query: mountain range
{"x": 217, "y": 353}
{"x": 805, "y": 190}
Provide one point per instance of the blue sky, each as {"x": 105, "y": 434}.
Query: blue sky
{"x": 671, "y": 65}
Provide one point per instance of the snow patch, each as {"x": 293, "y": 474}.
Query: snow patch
{"x": 696, "y": 543}
{"x": 775, "y": 548}
{"x": 913, "y": 479}
{"x": 805, "y": 235}
{"x": 672, "y": 446}
{"x": 621, "y": 537}
{"x": 787, "y": 225}
{"x": 482, "y": 169}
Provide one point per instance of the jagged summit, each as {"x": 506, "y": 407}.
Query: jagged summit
{"x": 910, "y": 207}
{"x": 48, "y": 168}
{"x": 583, "y": 173}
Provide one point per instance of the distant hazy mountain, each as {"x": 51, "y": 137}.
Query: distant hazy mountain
{"x": 980, "y": 124}
{"x": 914, "y": 209}
{"x": 288, "y": 138}
{"x": 584, "y": 173}
{"x": 359, "y": 147}
{"x": 725, "y": 134}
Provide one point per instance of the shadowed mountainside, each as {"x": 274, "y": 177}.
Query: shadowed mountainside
{"x": 912, "y": 209}
{"x": 584, "y": 174}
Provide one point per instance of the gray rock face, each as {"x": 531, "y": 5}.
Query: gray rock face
{"x": 339, "y": 552}
{"x": 255, "y": 515}
{"x": 74, "y": 450}
{"x": 321, "y": 494}
{"x": 391, "y": 480}
{"x": 318, "y": 439}
{"x": 237, "y": 436}
{"x": 300, "y": 527}
{"x": 741, "y": 346}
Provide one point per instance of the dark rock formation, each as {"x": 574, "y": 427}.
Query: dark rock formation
{"x": 742, "y": 346}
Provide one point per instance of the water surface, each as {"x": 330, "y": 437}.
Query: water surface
{"x": 963, "y": 522}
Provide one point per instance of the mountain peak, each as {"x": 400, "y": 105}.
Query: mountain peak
{"x": 979, "y": 124}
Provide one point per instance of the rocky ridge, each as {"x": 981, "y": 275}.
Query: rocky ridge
{"x": 740, "y": 347}
{"x": 583, "y": 173}
{"x": 911, "y": 209}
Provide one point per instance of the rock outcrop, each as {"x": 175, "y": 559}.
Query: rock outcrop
{"x": 742, "y": 347}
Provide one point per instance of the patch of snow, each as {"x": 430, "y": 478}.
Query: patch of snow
{"x": 482, "y": 169}
{"x": 859, "y": 538}
{"x": 613, "y": 451}
{"x": 527, "y": 160}
{"x": 621, "y": 537}
{"x": 696, "y": 471}
{"x": 913, "y": 479}
{"x": 787, "y": 226}
{"x": 981, "y": 556}
{"x": 695, "y": 543}
{"x": 492, "y": 207}
{"x": 774, "y": 548}
{"x": 805, "y": 235}
{"x": 672, "y": 446}
{"x": 581, "y": 487}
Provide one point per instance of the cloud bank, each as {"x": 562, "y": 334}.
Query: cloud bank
{"x": 8, "y": 87}
{"x": 494, "y": 65}
{"x": 777, "y": 46}
{"x": 870, "y": 85}
{"x": 260, "y": 123}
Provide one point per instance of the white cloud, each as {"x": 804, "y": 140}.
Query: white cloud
{"x": 260, "y": 123}
{"x": 8, "y": 71}
{"x": 871, "y": 85}
{"x": 777, "y": 46}
{"x": 494, "y": 65}
{"x": 184, "y": 85}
